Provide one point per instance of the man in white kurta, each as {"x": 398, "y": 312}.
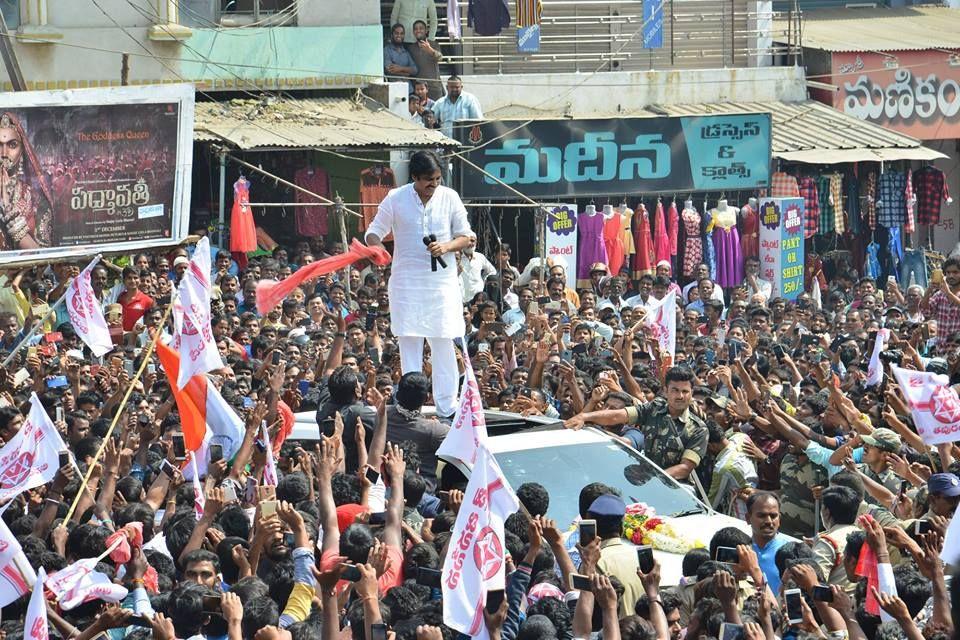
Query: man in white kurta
{"x": 425, "y": 304}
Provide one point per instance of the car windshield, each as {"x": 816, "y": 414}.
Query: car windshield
{"x": 564, "y": 470}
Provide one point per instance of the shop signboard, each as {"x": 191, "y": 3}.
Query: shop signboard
{"x": 549, "y": 159}
{"x": 94, "y": 170}
{"x": 913, "y": 92}
{"x": 562, "y": 239}
{"x": 781, "y": 245}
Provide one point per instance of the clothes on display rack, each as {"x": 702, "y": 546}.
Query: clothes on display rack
{"x": 673, "y": 227}
{"x": 871, "y": 267}
{"x": 661, "y": 239}
{"x": 908, "y": 225}
{"x": 783, "y": 185}
{"x": 243, "y": 233}
{"x": 913, "y": 268}
{"x": 895, "y": 249}
{"x": 591, "y": 246}
{"x": 930, "y": 186}
{"x": 613, "y": 239}
{"x": 825, "y": 223}
{"x": 375, "y": 183}
{"x": 836, "y": 201}
{"x": 626, "y": 215}
{"x": 750, "y": 237}
{"x": 891, "y": 199}
{"x": 693, "y": 245}
{"x": 726, "y": 243}
{"x": 710, "y": 252}
{"x": 311, "y": 222}
{"x": 852, "y": 188}
{"x": 643, "y": 259}
{"x": 870, "y": 200}
{"x": 811, "y": 203}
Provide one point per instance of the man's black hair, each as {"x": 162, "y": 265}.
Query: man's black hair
{"x": 424, "y": 163}
{"x": 185, "y": 609}
{"x": 420, "y": 555}
{"x": 678, "y": 374}
{"x": 693, "y": 559}
{"x": 86, "y": 541}
{"x": 249, "y": 588}
{"x": 281, "y": 580}
{"x": 356, "y": 542}
{"x": 761, "y": 496}
{"x": 537, "y": 627}
{"x": 293, "y": 488}
{"x": 414, "y": 486}
{"x": 234, "y": 522}
{"x": 342, "y": 384}
{"x": 200, "y": 555}
{"x": 850, "y": 480}
{"x": 728, "y": 537}
{"x": 534, "y": 497}
{"x": 136, "y": 512}
{"x": 636, "y": 628}
{"x": 842, "y": 502}
{"x": 715, "y": 432}
{"x": 669, "y": 602}
{"x": 590, "y": 493}
{"x": 789, "y": 552}
{"x": 403, "y": 602}
{"x": 412, "y": 390}
{"x": 259, "y": 613}
{"x": 346, "y": 489}
{"x": 354, "y": 618}
{"x": 912, "y": 587}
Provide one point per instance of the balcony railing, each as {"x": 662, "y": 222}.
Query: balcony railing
{"x": 589, "y": 35}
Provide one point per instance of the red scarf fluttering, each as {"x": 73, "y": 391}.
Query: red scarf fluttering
{"x": 270, "y": 292}
{"x": 867, "y": 568}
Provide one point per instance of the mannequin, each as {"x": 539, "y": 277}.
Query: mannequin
{"x": 750, "y": 238}
{"x": 591, "y": 242}
{"x": 643, "y": 260}
{"x": 693, "y": 244}
{"x": 613, "y": 239}
{"x": 726, "y": 243}
{"x": 626, "y": 216}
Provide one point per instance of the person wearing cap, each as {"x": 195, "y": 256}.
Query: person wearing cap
{"x": 703, "y": 271}
{"x": 618, "y": 558}
{"x": 943, "y": 490}
{"x": 598, "y": 271}
{"x": 871, "y": 464}
{"x": 180, "y": 266}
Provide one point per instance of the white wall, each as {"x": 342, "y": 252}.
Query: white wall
{"x": 609, "y": 93}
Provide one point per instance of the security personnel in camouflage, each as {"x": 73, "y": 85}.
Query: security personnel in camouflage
{"x": 674, "y": 438}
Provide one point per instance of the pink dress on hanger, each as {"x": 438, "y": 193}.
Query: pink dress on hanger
{"x": 673, "y": 227}
{"x": 613, "y": 239}
{"x": 243, "y": 233}
{"x": 643, "y": 259}
{"x": 661, "y": 239}
{"x": 693, "y": 248}
{"x": 750, "y": 238}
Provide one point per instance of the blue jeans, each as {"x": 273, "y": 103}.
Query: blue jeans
{"x": 873, "y": 263}
{"x": 913, "y": 264}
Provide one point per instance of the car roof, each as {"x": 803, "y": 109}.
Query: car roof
{"x": 533, "y": 439}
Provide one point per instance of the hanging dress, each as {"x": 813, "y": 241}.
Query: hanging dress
{"x": 243, "y": 233}
{"x": 673, "y": 228}
{"x": 711, "y": 255}
{"x": 750, "y": 238}
{"x": 592, "y": 248}
{"x": 661, "y": 239}
{"x": 726, "y": 243}
{"x": 643, "y": 259}
{"x": 693, "y": 247}
{"x": 613, "y": 241}
{"x": 626, "y": 214}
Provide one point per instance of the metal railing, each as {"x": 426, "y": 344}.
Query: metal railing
{"x": 587, "y": 35}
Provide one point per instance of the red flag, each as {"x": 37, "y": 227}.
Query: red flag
{"x": 867, "y": 568}
{"x": 192, "y": 421}
{"x": 271, "y": 292}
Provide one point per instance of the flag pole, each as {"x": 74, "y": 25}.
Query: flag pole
{"x": 39, "y": 321}
{"x": 126, "y": 397}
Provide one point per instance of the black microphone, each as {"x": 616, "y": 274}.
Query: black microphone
{"x": 434, "y": 260}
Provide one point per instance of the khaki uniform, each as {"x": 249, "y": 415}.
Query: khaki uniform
{"x": 887, "y": 478}
{"x": 660, "y": 433}
{"x": 618, "y": 558}
{"x": 828, "y": 553}
{"x": 797, "y": 476}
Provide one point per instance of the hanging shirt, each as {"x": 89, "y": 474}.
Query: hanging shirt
{"x": 375, "y": 184}
{"x": 908, "y": 225}
{"x": 406, "y": 12}
{"x": 783, "y": 185}
{"x": 466, "y": 107}
{"x": 891, "y": 201}
{"x": 311, "y": 221}
{"x": 826, "y": 224}
{"x": 870, "y": 200}
{"x": 811, "y": 202}
{"x": 488, "y": 17}
{"x": 930, "y": 186}
{"x": 836, "y": 198}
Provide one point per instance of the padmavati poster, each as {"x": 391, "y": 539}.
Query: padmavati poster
{"x": 92, "y": 170}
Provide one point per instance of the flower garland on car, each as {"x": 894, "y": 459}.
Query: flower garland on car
{"x": 641, "y": 525}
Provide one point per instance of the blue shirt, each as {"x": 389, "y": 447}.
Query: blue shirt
{"x": 766, "y": 557}
{"x": 820, "y": 455}
{"x": 467, "y": 107}
{"x": 398, "y": 55}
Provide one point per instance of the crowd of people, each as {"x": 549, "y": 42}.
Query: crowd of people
{"x": 765, "y": 405}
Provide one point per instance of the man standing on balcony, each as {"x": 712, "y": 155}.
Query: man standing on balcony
{"x": 406, "y": 12}
{"x": 426, "y": 55}
{"x": 424, "y": 288}
{"x": 396, "y": 58}
{"x": 456, "y": 105}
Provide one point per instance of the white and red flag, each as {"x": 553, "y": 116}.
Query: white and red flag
{"x": 475, "y": 563}
{"x": 199, "y": 500}
{"x": 86, "y": 313}
{"x": 35, "y": 627}
{"x": 193, "y": 337}
{"x": 875, "y": 368}
{"x": 80, "y": 582}
{"x": 31, "y": 458}
{"x": 661, "y": 322}
{"x": 16, "y": 574}
{"x": 933, "y": 403}
{"x": 469, "y": 427}
{"x": 270, "y": 468}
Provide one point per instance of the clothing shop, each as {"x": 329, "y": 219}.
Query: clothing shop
{"x": 688, "y": 184}
{"x": 272, "y": 172}
{"x": 897, "y": 68}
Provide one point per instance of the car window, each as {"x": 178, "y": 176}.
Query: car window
{"x": 565, "y": 470}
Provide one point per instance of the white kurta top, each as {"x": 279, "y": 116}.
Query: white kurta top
{"x": 422, "y": 302}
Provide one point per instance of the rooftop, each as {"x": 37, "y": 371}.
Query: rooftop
{"x": 879, "y": 29}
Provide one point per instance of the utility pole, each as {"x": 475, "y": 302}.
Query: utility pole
{"x": 125, "y": 70}
{"x": 10, "y": 57}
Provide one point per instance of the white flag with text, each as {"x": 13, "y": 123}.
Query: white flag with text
{"x": 875, "y": 368}
{"x": 661, "y": 320}
{"x": 35, "y": 627}
{"x": 16, "y": 574}
{"x": 193, "y": 337}
{"x": 80, "y": 582}
{"x": 86, "y": 313}
{"x": 933, "y": 404}
{"x": 31, "y": 458}
{"x": 475, "y": 556}
{"x": 469, "y": 427}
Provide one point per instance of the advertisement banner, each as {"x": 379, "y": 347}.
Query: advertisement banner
{"x": 556, "y": 158}
{"x": 781, "y": 245}
{"x": 92, "y": 170}
{"x": 653, "y": 24}
{"x": 913, "y": 92}
{"x": 562, "y": 239}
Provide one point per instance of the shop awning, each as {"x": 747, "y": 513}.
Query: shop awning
{"x": 814, "y": 133}
{"x": 309, "y": 123}
{"x": 878, "y": 29}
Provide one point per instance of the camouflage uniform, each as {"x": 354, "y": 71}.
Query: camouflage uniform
{"x": 796, "y": 496}
{"x": 660, "y": 430}
{"x": 887, "y": 478}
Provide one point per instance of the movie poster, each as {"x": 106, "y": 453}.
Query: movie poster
{"x": 94, "y": 170}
